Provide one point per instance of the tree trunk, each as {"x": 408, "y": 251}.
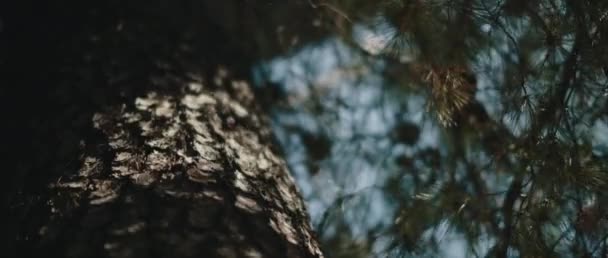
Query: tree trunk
{"x": 145, "y": 143}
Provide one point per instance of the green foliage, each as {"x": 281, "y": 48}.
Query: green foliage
{"x": 523, "y": 172}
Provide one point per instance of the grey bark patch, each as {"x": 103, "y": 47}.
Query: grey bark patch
{"x": 197, "y": 101}
{"x": 247, "y": 204}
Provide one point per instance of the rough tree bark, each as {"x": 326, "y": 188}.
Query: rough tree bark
{"x": 162, "y": 150}
{"x": 180, "y": 175}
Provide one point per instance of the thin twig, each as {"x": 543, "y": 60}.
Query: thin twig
{"x": 330, "y": 7}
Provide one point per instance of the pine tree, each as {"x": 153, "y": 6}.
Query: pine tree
{"x": 139, "y": 135}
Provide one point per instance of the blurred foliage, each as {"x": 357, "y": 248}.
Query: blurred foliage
{"x": 485, "y": 135}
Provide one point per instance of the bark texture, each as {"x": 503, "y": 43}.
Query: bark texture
{"x": 180, "y": 176}
{"x": 150, "y": 145}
